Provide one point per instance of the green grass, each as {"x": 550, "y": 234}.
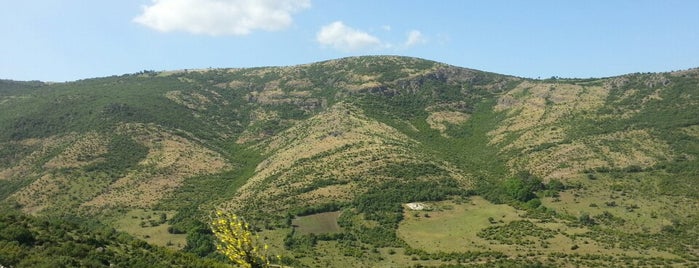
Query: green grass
{"x": 340, "y": 253}
{"x": 148, "y": 225}
{"x": 634, "y": 200}
{"x": 321, "y": 223}
{"x": 455, "y": 229}
{"x": 480, "y": 226}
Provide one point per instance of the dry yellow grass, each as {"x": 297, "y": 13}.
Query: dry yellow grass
{"x": 84, "y": 151}
{"x": 535, "y": 126}
{"x": 191, "y": 100}
{"x": 299, "y": 83}
{"x": 23, "y": 168}
{"x": 692, "y": 131}
{"x": 35, "y": 197}
{"x": 534, "y": 107}
{"x": 340, "y": 126}
{"x": 340, "y": 144}
{"x": 256, "y": 116}
{"x": 619, "y": 149}
{"x": 439, "y": 120}
{"x": 235, "y": 84}
{"x": 170, "y": 160}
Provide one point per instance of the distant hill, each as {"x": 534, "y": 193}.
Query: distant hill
{"x": 513, "y": 171}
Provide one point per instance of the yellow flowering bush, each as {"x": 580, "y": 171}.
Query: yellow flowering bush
{"x": 237, "y": 241}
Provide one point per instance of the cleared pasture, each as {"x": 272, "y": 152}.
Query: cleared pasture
{"x": 321, "y": 223}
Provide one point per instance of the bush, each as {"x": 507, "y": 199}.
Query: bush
{"x": 237, "y": 241}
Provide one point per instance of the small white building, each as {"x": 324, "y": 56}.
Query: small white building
{"x": 416, "y": 206}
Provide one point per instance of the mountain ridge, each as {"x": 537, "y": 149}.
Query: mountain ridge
{"x": 600, "y": 159}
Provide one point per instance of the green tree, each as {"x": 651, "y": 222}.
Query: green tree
{"x": 521, "y": 190}
{"x": 585, "y": 219}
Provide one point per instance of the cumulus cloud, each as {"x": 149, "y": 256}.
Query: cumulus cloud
{"x": 415, "y": 37}
{"x": 345, "y": 38}
{"x": 220, "y": 17}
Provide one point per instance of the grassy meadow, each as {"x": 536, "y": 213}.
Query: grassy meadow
{"x": 151, "y": 226}
{"x": 321, "y": 223}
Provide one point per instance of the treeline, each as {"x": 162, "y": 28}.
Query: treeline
{"x": 523, "y": 190}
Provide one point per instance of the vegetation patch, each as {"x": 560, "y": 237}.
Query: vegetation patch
{"x": 629, "y": 203}
{"x": 516, "y": 232}
{"x": 87, "y": 150}
{"x": 151, "y": 226}
{"x": 27, "y": 241}
{"x": 321, "y": 223}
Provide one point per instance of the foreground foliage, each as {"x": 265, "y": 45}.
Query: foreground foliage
{"x": 237, "y": 241}
{"x": 27, "y": 241}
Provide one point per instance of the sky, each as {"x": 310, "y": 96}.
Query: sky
{"x": 67, "y": 40}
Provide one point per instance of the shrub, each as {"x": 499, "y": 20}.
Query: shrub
{"x": 237, "y": 241}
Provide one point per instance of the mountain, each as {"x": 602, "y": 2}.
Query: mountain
{"x": 323, "y": 159}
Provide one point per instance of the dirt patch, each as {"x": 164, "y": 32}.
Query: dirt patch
{"x": 440, "y": 120}
{"x": 190, "y": 99}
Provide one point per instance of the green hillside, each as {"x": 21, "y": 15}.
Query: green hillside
{"x": 510, "y": 171}
{"x": 69, "y": 241}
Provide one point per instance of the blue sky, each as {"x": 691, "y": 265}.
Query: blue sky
{"x": 67, "y": 40}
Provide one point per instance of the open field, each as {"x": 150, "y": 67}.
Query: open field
{"x": 150, "y": 226}
{"x": 454, "y": 229}
{"x": 339, "y": 255}
{"x": 481, "y": 226}
{"x": 638, "y": 211}
{"x": 321, "y": 223}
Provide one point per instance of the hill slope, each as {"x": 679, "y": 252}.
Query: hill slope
{"x": 592, "y": 164}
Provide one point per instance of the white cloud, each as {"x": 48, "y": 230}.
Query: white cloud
{"x": 345, "y": 38}
{"x": 415, "y": 37}
{"x": 220, "y": 17}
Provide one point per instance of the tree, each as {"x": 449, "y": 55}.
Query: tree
{"x": 237, "y": 241}
{"x": 17, "y": 233}
{"x": 522, "y": 189}
{"x": 585, "y": 219}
